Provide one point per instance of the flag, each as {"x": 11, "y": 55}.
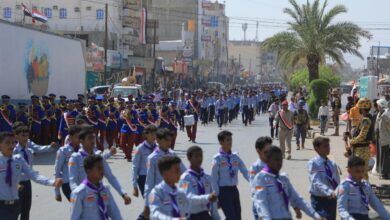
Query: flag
{"x": 191, "y": 26}
{"x": 26, "y": 12}
{"x": 39, "y": 16}
{"x": 143, "y": 26}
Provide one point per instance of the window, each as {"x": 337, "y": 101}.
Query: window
{"x": 99, "y": 14}
{"x": 7, "y": 12}
{"x": 76, "y": 9}
{"x": 48, "y": 12}
{"x": 63, "y": 13}
{"x": 214, "y": 21}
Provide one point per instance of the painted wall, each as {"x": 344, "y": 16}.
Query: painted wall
{"x": 38, "y": 63}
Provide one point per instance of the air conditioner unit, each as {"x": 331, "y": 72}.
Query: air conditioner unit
{"x": 76, "y": 9}
{"x": 88, "y": 8}
{"x": 55, "y": 7}
{"x": 82, "y": 28}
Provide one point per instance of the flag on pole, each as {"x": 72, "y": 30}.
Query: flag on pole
{"x": 26, "y": 12}
{"x": 39, "y": 16}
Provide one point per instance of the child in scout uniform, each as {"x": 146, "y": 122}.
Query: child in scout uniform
{"x": 26, "y": 149}
{"x": 262, "y": 145}
{"x": 76, "y": 169}
{"x": 324, "y": 179}
{"x": 225, "y": 176}
{"x": 12, "y": 168}
{"x": 91, "y": 199}
{"x": 197, "y": 185}
{"x": 166, "y": 200}
{"x": 153, "y": 175}
{"x": 354, "y": 195}
{"x": 62, "y": 159}
{"x": 274, "y": 193}
{"x": 112, "y": 122}
{"x": 140, "y": 157}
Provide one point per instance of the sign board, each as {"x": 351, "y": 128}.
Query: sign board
{"x": 206, "y": 37}
{"x": 206, "y": 21}
{"x": 136, "y": 62}
{"x": 131, "y": 21}
{"x": 132, "y": 4}
{"x": 206, "y": 4}
{"x": 150, "y": 23}
{"x": 368, "y": 87}
{"x": 114, "y": 59}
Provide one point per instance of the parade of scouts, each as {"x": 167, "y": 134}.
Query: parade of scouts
{"x": 148, "y": 109}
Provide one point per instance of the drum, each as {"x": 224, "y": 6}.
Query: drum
{"x": 189, "y": 120}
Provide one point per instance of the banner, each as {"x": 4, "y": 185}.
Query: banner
{"x": 143, "y": 26}
{"x": 191, "y": 26}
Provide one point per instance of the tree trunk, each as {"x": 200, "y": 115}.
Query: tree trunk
{"x": 313, "y": 62}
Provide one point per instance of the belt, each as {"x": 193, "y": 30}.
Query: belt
{"x": 8, "y": 202}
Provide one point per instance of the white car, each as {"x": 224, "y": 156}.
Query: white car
{"x": 125, "y": 91}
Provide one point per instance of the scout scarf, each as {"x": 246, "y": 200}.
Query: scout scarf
{"x": 98, "y": 190}
{"x": 230, "y": 165}
{"x": 25, "y": 156}
{"x": 8, "y": 175}
{"x": 363, "y": 195}
{"x": 150, "y": 147}
{"x": 279, "y": 184}
{"x": 200, "y": 185}
{"x": 284, "y": 120}
{"x": 175, "y": 207}
{"x": 329, "y": 174}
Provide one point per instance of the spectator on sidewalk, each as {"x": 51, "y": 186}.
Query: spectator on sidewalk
{"x": 355, "y": 117}
{"x": 323, "y": 115}
{"x": 348, "y": 109}
{"x": 382, "y": 129}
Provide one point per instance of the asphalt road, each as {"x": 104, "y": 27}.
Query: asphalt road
{"x": 46, "y": 208}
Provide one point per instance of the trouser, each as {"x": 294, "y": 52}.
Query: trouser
{"x": 212, "y": 112}
{"x": 335, "y": 118}
{"x": 204, "y": 115}
{"x": 141, "y": 184}
{"x": 35, "y": 133}
{"x": 229, "y": 199}
{"x": 323, "y": 121}
{"x": 236, "y": 111}
{"x": 139, "y": 138}
{"x": 364, "y": 153}
{"x": 200, "y": 216}
{"x": 220, "y": 118}
{"x": 225, "y": 116}
{"x": 191, "y": 131}
{"x": 66, "y": 190}
{"x": 258, "y": 108}
{"x": 173, "y": 142}
{"x": 384, "y": 161}
{"x": 110, "y": 137}
{"x": 360, "y": 216}
{"x": 231, "y": 115}
{"x": 53, "y": 130}
{"x": 127, "y": 144}
{"x": 181, "y": 119}
{"x": 251, "y": 114}
{"x": 25, "y": 198}
{"x": 265, "y": 106}
{"x": 271, "y": 124}
{"x": 324, "y": 206}
{"x": 300, "y": 133}
{"x": 285, "y": 136}
{"x": 245, "y": 114}
{"x": 10, "y": 211}
{"x": 45, "y": 133}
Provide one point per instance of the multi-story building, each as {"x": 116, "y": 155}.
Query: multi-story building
{"x": 246, "y": 53}
{"x": 213, "y": 32}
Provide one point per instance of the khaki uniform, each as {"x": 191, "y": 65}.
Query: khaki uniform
{"x": 361, "y": 142}
{"x": 285, "y": 133}
{"x": 336, "y": 112}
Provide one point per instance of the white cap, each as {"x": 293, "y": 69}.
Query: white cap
{"x": 382, "y": 103}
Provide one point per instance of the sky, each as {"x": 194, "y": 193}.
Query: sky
{"x": 369, "y": 14}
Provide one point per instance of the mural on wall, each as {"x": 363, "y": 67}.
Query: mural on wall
{"x": 37, "y": 69}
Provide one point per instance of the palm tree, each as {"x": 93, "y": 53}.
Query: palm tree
{"x": 312, "y": 35}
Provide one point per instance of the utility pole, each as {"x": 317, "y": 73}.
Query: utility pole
{"x": 105, "y": 43}
{"x": 377, "y": 60}
{"x": 154, "y": 53}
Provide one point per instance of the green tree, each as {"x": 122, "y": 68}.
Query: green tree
{"x": 301, "y": 77}
{"x": 312, "y": 35}
{"x": 318, "y": 92}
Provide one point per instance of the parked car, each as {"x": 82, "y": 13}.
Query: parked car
{"x": 99, "y": 90}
